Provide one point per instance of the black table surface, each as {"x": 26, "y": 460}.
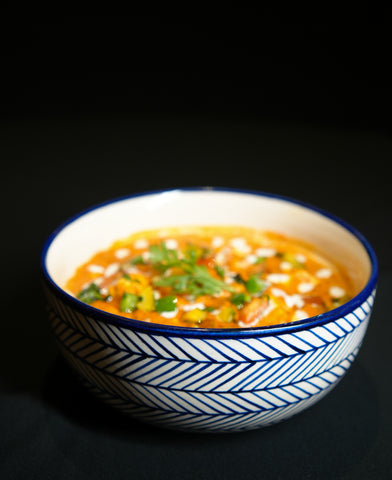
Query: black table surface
{"x": 55, "y": 166}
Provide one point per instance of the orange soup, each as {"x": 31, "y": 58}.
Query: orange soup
{"x": 211, "y": 277}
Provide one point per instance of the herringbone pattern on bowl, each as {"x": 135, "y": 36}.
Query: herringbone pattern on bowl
{"x": 208, "y": 384}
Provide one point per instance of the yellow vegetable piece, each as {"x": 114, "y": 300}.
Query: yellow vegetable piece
{"x": 147, "y": 303}
{"x": 226, "y": 315}
{"x": 195, "y": 315}
{"x": 134, "y": 284}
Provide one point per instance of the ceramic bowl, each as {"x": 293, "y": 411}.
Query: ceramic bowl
{"x": 207, "y": 380}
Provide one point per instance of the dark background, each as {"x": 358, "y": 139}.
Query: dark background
{"x": 93, "y": 108}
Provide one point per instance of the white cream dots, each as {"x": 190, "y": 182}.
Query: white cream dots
{"x": 240, "y": 245}
{"x": 265, "y": 252}
{"x": 171, "y": 244}
{"x": 169, "y": 314}
{"x": 300, "y": 315}
{"x": 221, "y": 256}
{"x": 93, "y": 268}
{"x": 146, "y": 256}
{"x": 305, "y": 287}
{"x": 121, "y": 253}
{"x": 111, "y": 269}
{"x": 157, "y": 294}
{"x": 291, "y": 301}
{"x": 286, "y": 266}
{"x": 300, "y": 258}
{"x": 251, "y": 259}
{"x": 217, "y": 242}
{"x": 324, "y": 273}
{"x": 278, "y": 278}
{"x": 140, "y": 244}
{"x": 104, "y": 291}
{"x": 193, "y": 306}
{"x": 337, "y": 292}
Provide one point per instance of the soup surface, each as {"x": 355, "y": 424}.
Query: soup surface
{"x": 211, "y": 277}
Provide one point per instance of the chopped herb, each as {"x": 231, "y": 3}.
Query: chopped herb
{"x": 162, "y": 257}
{"x": 255, "y": 285}
{"x": 90, "y": 294}
{"x": 137, "y": 260}
{"x": 193, "y": 253}
{"x": 197, "y": 282}
{"x": 196, "y": 279}
{"x": 166, "y": 304}
{"x": 130, "y": 279}
{"x": 129, "y": 302}
{"x": 220, "y": 271}
{"x": 209, "y": 309}
{"x": 239, "y": 299}
{"x": 260, "y": 260}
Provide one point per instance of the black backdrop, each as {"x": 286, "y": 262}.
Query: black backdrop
{"x": 98, "y": 107}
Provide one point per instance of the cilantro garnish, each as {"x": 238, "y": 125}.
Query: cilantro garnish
{"x": 138, "y": 260}
{"x": 166, "y": 304}
{"x": 162, "y": 257}
{"x": 239, "y": 299}
{"x": 220, "y": 271}
{"x": 129, "y": 302}
{"x": 194, "y": 279}
{"x": 255, "y": 285}
{"x": 90, "y": 294}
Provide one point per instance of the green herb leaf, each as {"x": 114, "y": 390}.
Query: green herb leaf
{"x": 166, "y": 304}
{"x": 162, "y": 257}
{"x": 131, "y": 279}
{"x": 260, "y": 260}
{"x": 220, "y": 271}
{"x": 209, "y": 309}
{"x": 255, "y": 285}
{"x": 90, "y": 294}
{"x": 239, "y": 299}
{"x": 128, "y": 302}
{"x": 137, "y": 260}
{"x": 196, "y": 281}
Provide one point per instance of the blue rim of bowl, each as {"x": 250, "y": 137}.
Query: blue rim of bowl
{"x": 155, "y": 328}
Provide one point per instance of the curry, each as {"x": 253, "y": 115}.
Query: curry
{"x": 211, "y": 277}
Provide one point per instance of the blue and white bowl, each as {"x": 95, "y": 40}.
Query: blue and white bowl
{"x": 207, "y": 380}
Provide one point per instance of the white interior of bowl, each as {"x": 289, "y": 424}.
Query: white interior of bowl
{"x": 99, "y": 228}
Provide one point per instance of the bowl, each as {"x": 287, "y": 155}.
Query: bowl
{"x": 207, "y": 380}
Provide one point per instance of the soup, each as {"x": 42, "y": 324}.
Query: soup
{"x": 211, "y": 277}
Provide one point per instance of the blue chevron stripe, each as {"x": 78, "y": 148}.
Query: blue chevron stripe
{"x": 174, "y": 350}
{"x": 252, "y": 374}
{"x": 218, "y": 350}
{"x": 231, "y": 349}
{"x": 216, "y": 376}
{"x": 273, "y": 396}
{"x": 213, "y": 384}
{"x": 189, "y": 371}
{"x": 212, "y": 422}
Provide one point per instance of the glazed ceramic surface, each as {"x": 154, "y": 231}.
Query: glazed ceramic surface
{"x": 203, "y": 379}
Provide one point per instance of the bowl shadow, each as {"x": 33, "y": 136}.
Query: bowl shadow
{"x": 328, "y": 439}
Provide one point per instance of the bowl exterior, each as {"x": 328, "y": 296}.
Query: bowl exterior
{"x": 207, "y": 382}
